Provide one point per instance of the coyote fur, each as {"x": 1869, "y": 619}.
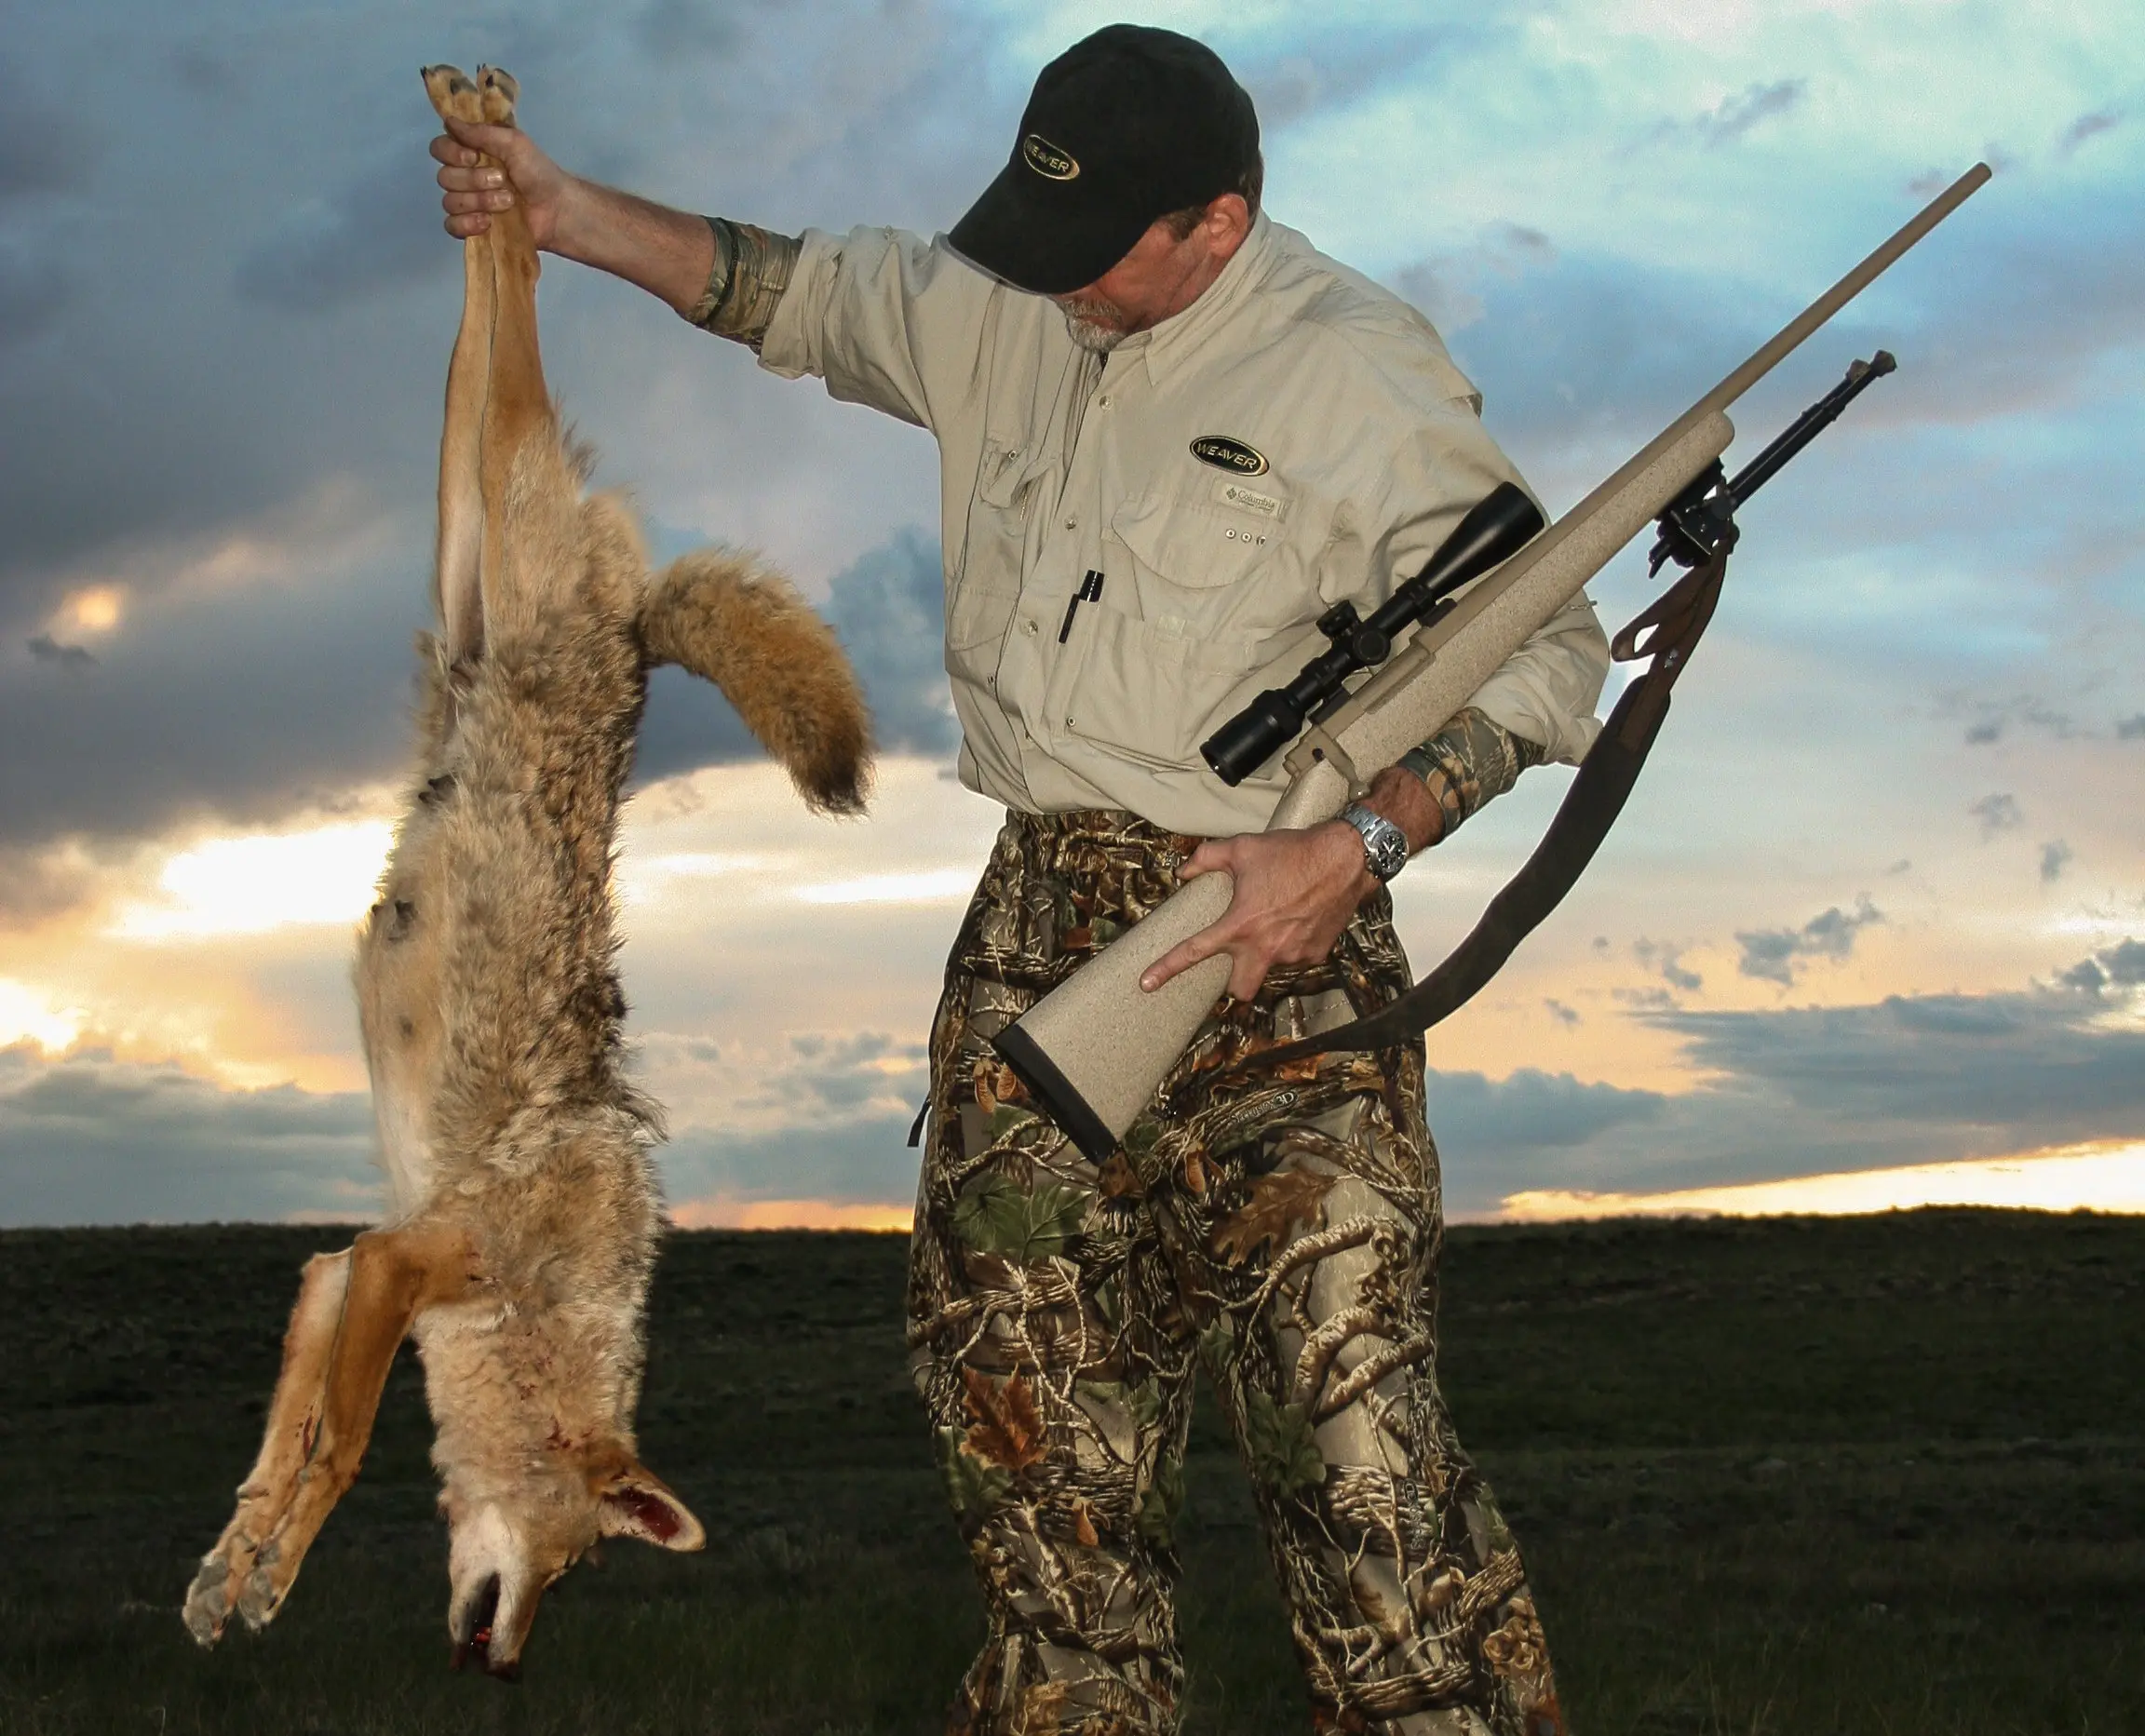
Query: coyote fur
{"x": 523, "y": 1212}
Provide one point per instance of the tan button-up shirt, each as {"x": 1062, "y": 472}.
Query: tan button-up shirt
{"x": 1342, "y": 447}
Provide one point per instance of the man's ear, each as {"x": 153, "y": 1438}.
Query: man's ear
{"x": 635, "y": 1502}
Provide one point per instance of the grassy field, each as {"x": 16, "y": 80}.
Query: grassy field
{"x": 1792, "y": 1476}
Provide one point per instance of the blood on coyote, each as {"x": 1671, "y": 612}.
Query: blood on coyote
{"x": 523, "y": 1213}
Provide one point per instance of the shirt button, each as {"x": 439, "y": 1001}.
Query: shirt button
{"x": 1104, "y": 401}
{"x": 1072, "y": 524}
{"x": 1029, "y": 627}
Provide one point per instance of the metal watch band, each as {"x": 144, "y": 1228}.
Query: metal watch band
{"x": 1385, "y": 845}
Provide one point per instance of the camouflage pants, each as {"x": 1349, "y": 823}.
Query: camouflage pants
{"x": 1283, "y": 1227}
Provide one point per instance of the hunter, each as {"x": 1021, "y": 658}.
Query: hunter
{"x": 1171, "y": 434}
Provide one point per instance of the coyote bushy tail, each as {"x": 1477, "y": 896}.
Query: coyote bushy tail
{"x": 522, "y": 1212}
{"x": 776, "y": 661}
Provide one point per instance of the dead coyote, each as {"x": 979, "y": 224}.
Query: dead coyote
{"x": 518, "y": 1245}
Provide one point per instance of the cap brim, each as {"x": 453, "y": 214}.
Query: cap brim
{"x": 1044, "y": 242}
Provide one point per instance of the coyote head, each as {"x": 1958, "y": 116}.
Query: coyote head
{"x": 510, "y": 1542}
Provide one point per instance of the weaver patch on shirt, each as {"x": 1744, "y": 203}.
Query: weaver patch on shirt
{"x": 1224, "y": 452}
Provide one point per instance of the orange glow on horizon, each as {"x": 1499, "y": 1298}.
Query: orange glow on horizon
{"x": 724, "y": 1214}
{"x": 2108, "y": 1176}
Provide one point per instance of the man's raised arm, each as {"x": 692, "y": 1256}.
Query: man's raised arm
{"x": 723, "y": 276}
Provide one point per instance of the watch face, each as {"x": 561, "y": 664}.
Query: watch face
{"x": 1385, "y": 845}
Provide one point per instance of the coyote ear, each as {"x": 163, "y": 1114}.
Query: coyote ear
{"x": 635, "y": 1504}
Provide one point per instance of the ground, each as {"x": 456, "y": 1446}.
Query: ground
{"x": 1784, "y": 1477}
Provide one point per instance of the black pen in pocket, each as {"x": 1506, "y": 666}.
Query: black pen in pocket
{"x": 1090, "y": 591}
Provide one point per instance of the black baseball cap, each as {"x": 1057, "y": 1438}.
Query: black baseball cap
{"x": 1124, "y": 127}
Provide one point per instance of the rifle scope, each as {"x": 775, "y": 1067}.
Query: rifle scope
{"x": 1495, "y": 528}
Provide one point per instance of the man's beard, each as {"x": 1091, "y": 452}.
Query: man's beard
{"x": 1085, "y": 318}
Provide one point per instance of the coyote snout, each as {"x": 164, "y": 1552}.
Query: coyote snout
{"x": 523, "y": 1213}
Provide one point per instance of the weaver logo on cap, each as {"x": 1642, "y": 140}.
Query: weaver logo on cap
{"x": 1047, "y": 159}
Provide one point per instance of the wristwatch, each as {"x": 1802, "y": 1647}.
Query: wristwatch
{"x": 1385, "y": 845}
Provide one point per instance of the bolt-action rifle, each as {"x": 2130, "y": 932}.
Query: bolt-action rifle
{"x": 1094, "y": 1050}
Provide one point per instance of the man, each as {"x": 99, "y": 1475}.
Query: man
{"x": 1171, "y": 435}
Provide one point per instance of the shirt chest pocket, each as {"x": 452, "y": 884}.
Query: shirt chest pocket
{"x": 1216, "y": 575}
{"x": 1211, "y": 596}
{"x": 1010, "y": 485}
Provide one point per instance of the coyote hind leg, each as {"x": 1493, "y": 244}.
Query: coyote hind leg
{"x": 293, "y": 1421}
{"x": 531, "y": 498}
{"x": 459, "y": 557}
{"x": 387, "y": 1279}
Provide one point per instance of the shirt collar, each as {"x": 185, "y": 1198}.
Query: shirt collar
{"x": 1172, "y": 342}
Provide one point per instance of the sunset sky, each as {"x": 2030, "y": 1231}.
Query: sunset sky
{"x": 1871, "y": 931}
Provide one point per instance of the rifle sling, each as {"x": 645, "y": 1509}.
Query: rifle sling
{"x": 1671, "y": 627}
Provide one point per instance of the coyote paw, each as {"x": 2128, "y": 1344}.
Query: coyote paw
{"x": 454, "y": 94}
{"x": 500, "y": 90}
{"x": 208, "y": 1605}
{"x": 220, "y": 1585}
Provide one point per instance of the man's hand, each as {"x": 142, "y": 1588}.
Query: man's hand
{"x": 473, "y": 192}
{"x": 1295, "y": 891}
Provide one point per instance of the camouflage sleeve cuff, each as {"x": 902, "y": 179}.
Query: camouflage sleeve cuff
{"x": 751, "y": 270}
{"x": 1467, "y": 762}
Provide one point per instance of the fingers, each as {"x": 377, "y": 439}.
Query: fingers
{"x": 471, "y": 189}
{"x": 1184, "y": 955}
{"x": 499, "y": 142}
{"x": 1216, "y": 853}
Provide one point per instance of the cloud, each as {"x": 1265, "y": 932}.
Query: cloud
{"x": 41, "y": 151}
{"x": 95, "y": 1141}
{"x": 2036, "y": 1063}
{"x": 1668, "y": 960}
{"x": 46, "y": 649}
{"x": 32, "y": 295}
{"x": 1444, "y": 286}
{"x": 2025, "y": 713}
{"x": 378, "y": 231}
{"x": 1291, "y": 83}
{"x": 2131, "y": 729}
{"x": 242, "y": 703}
{"x": 865, "y": 1160}
{"x": 1530, "y": 1110}
{"x": 1911, "y": 1079}
{"x": 889, "y": 607}
{"x": 2119, "y": 966}
{"x": 1998, "y": 813}
{"x": 2056, "y": 856}
{"x": 666, "y": 29}
{"x": 2088, "y": 127}
{"x": 1576, "y": 349}
{"x": 1774, "y": 953}
{"x": 1737, "y": 115}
